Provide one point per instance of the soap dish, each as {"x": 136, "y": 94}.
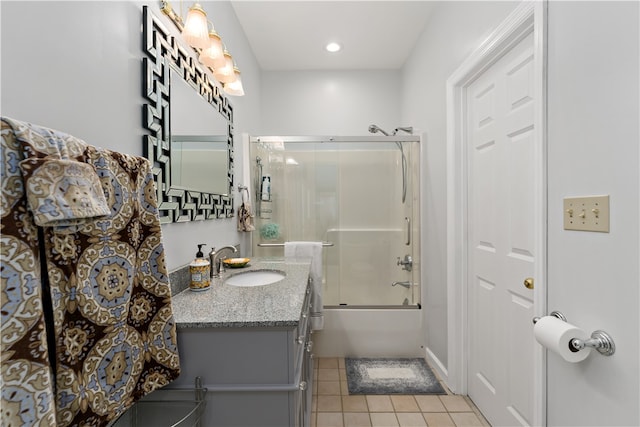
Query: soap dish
{"x": 236, "y": 262}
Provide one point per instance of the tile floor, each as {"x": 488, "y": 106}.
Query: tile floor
{"x": 334, "y": 407}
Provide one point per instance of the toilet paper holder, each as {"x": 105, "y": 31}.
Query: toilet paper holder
{"x": 600, "y": 340}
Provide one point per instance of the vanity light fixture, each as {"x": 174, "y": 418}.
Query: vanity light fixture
{"x": 333, "y": 47}
{"x": 225, "y": 74}
{"x": 208, "y": 45}
{"x": 213, "y": 55}
{"x": 196, "y": 31}
{"x": 235, "y": 87}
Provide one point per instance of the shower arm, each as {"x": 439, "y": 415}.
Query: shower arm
{"x": 406, "y": 129}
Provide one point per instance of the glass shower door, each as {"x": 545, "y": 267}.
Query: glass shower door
{"x": 348, "y": 193}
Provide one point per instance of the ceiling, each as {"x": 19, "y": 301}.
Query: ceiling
{"x": 291, "y": 35}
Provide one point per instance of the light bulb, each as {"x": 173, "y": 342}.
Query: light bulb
{"x": 333, "y": 47}
{"x": 213, "y": 55}
{"x": 195, "y": 31}
{"x": 235, "y": 88}
{"x": 225, "y": 74}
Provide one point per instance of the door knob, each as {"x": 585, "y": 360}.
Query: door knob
{"x": 528, "y": 283}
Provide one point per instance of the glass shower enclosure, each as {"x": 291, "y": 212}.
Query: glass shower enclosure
{"x": 358, "y": 195}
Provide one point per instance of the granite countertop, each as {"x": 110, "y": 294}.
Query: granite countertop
{"x": 224, "y": 306}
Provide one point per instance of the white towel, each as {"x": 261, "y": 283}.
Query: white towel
{"x": 311, "y": 250}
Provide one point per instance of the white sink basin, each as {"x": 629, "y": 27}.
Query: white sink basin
{"x": 255, "y": 278}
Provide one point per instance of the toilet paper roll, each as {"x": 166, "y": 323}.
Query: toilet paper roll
{"x": 556, "y": 335}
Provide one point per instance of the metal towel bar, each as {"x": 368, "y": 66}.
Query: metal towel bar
{"x": 281, "y": 245}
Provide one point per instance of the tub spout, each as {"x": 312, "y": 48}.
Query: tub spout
{"x": 405, "y": 284}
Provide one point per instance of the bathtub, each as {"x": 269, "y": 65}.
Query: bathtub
{"x": 378, "y": 319}
{"x": 370, "y": 332}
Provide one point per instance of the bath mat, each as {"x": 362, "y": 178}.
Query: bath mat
{"x": 391, "y": 376}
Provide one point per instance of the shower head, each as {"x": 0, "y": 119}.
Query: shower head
{"x": 408, "y": 129}
{"x": 375, "y": 128}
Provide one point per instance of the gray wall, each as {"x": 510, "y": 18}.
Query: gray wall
{"x": 330, "y": 102}
{"x": 593, "y": 145}
{"x": 77, "y": 66}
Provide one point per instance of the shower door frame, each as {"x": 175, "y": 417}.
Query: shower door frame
{"x": 325, "y": 138}
{"x": 415, "y": 220}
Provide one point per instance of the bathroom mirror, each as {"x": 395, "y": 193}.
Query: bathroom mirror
{"x": 182, "y": 101}
{"x": 199, "y": 162}
{"x": 199, "y": 152}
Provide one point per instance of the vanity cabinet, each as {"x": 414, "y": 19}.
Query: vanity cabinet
{"x": 255, "y": 375}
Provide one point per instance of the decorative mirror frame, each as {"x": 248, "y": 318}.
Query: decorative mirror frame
{"x": 163, "y": 54}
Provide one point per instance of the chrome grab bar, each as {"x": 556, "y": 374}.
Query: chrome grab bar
{"x": 281, "y": 245}
{"x": 406, "y": 218}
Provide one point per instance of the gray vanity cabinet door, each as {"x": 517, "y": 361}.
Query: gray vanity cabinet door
{"x": 234, "y": 355}
{"x": 248, "y": 373}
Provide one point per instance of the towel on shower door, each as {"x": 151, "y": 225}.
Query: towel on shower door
{"x": 311, "y": 250}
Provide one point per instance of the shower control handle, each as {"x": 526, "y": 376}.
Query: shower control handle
{"x": 406, "y": 263}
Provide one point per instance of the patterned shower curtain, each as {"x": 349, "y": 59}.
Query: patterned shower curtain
{"x": 87, "y": 326}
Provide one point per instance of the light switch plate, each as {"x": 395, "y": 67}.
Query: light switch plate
{"x": 589, "y": 213}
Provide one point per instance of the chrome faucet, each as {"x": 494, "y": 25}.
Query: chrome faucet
{"x": 217, "y": 266}
{"x": 405, "y": 284}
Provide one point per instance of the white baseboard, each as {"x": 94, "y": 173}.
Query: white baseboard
{"x": 438, "y": 366}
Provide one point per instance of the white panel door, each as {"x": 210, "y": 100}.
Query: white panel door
{"x": 500, "y": 111}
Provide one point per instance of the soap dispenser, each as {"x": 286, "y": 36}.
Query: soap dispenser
{"x": 200, "y": 270}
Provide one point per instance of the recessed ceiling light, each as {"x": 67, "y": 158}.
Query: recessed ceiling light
{"x": 333, "y": 47}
